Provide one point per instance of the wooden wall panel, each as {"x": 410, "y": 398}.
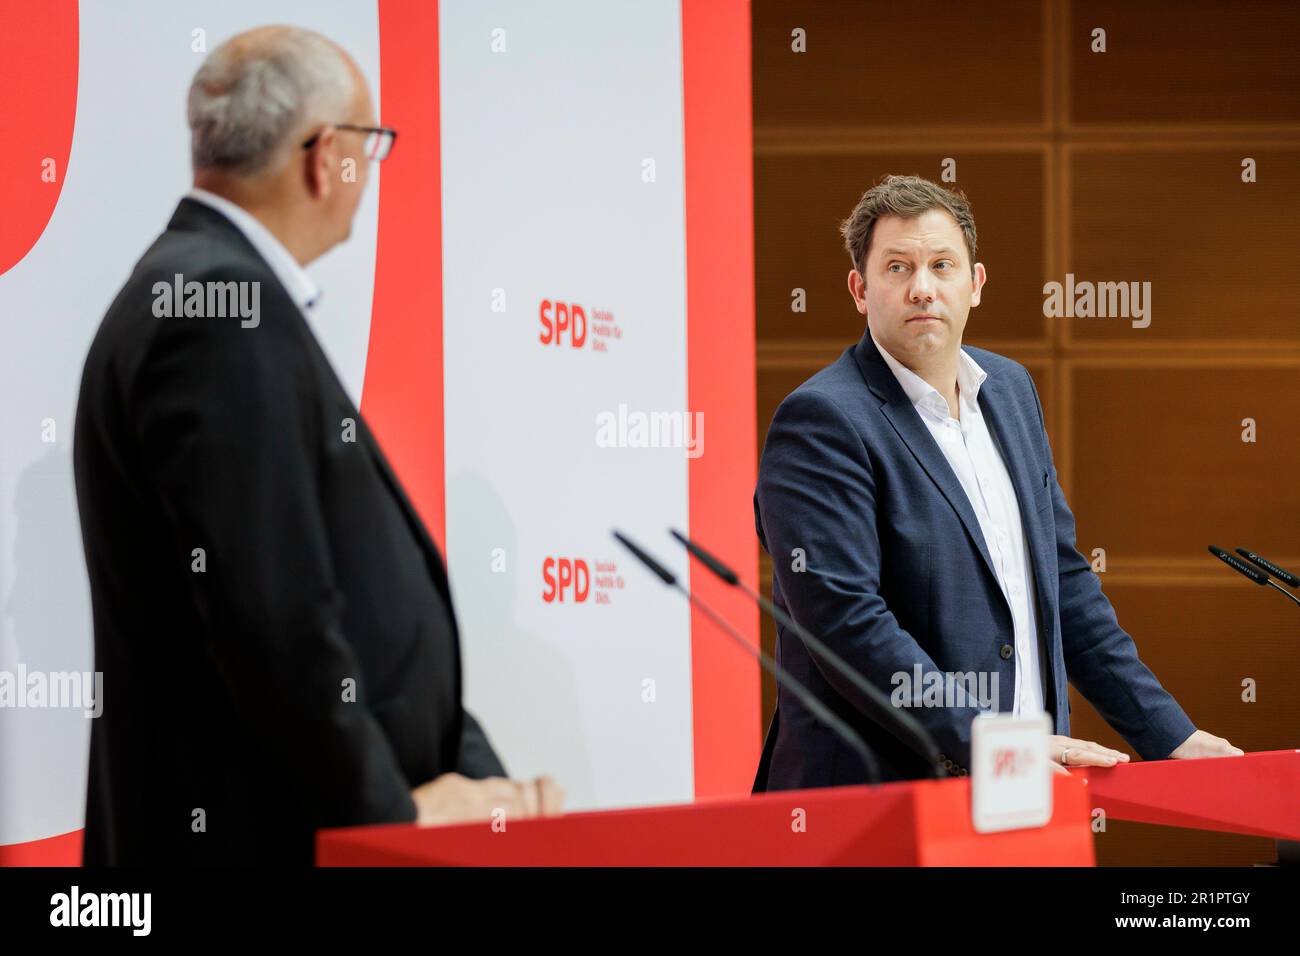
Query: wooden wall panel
{"x": 1202, "y": 641}
{"x": 1217, "y": 251}
{"x": 877, "y": 63}
{"x": 1121, "y": 166}
{"x": 803, "y": 198}
{"x": 1180, "y": 61}
{"x": 1159, "y": 470}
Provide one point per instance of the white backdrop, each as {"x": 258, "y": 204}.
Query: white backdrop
{"x": 545, "y": 197}
{"x": 128, "y": 167}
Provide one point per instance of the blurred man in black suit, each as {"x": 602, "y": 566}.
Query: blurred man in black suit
{"x": 272, "y": 619}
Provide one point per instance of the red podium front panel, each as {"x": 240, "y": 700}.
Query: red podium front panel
{"x": 920, "y": 823}
{"x": 1256, "y": 794}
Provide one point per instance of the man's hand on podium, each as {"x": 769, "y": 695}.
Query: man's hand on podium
{"x": 1072, "y": 752}
{"x": 1201, "y": 744}
{"x": 452, "y": 798}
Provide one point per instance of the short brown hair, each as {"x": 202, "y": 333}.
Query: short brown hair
{"x": 906, "y": 197}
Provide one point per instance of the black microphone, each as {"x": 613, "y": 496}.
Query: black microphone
{"x": 1282, "y": 574}
{"x": 781, "y": 675}
{"x": 907, "y": 729}
{"x": 1238, "y": 565}
{"x": 1259, "y": 577}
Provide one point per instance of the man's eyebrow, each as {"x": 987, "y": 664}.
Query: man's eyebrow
{"x": 942, "y": 250}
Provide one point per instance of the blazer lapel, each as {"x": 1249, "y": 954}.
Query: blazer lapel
{"x": 911, "y": 429}
{"x": 995, "y": 403}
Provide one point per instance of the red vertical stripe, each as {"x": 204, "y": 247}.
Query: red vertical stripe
{"x": 720, "y": 381}
{"x": 403, "y": 396}
{"x": 403, "y": 392}
{"x": 38, "y": 74}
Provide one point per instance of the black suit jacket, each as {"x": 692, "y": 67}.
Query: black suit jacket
{"x": 272, "y": 619}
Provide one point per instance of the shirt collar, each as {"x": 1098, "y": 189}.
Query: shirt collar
{"x": 924, "y": 395}
{"x": 292, "y": 276}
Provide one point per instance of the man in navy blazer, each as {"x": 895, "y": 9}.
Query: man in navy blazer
{"x": 909, "y": 501}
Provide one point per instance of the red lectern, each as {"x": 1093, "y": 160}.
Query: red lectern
{"x": 919, "y": 823}
{"x": 1257, "y": 794}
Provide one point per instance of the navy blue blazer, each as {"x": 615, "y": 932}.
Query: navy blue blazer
{"x": 876, "y": 549}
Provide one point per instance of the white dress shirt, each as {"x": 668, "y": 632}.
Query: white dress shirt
{"x": 292, "y": 276}
{"x": 971, "y": 451}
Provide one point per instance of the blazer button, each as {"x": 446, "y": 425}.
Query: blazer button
{"x": 1007, "y": 651}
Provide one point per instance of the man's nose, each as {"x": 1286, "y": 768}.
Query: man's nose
{"x": 922, "y": 286}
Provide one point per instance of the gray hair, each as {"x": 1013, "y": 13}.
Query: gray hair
{"x": 257, "y": 89}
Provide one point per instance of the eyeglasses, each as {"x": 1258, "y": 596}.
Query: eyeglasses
{"x": 378, "y": 143}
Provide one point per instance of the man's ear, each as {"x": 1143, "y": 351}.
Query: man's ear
{"x": 858, "y": 289}
{"x": 977, "y": 283}
{"x": 320, "y": 165}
